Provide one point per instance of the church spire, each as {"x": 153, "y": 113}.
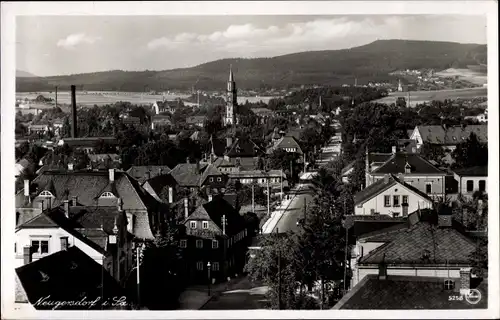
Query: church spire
{"x": 231, "y": 79}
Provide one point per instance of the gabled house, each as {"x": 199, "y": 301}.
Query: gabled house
{"x": 243, "y": 153}
{"x": 262, "y": 114}
{"x": 410, "y": 167}
{"x": 213, "y": 180}
{"x": 67, "y": 275}
{"x": 92, "y": 189}
{"x": 101, "y": 232}
{"x": 105, "y": 161}
{"x": 390, "y": 196}
{"x": 215, "y": 238}
{"x": 144, "y": 173}
{"x": 166, "y": 106}
{"x": 163, "y": 188}
{"x": 188, "y": 175}
{"x": 160, "y": 121}
{"x": 448, "y": 137}
{"x": 286, "y": 143}
{"x": 471, "y": 180}
{"x": 196, "y": 121}
{"x": 431, "y": 246}
{"x": 88, "y": 144}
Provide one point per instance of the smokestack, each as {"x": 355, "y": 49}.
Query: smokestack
{"x": 186, "y": 208}
{"x": 112, "y": 175}
{"x": 73, "y": 112}
{"x": 26, "y": 188}
{"x": 210, "y": 197}
{"x": 66, "y": 208}
{"x": 27, "y": 255}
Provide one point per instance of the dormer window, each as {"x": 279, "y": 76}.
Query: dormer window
{"x": 107, "y": 195}
{"x": 45, "y": 194}
{"x": 407, "y": 168}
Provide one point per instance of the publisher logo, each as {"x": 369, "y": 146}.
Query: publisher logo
{"x": 473, "y": 296}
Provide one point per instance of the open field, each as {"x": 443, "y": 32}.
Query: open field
{"x": 103, "y": 98}
{"x": 427, "y": 96}
{"x": 469, "y": 75}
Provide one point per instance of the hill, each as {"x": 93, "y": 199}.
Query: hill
{"x": 371, "y": 62}
{"x": 24, "y": 74}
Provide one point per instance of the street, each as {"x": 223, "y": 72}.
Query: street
{"x": 295, "y": 210}
{"x": 244, "y": 295}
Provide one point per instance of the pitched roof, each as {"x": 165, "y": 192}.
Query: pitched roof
{"x": 89, "y": 141}
{"x": 211, "y": 170}
{"x": 407, "y": 145}
{"x": 131, "y": 120}
{"x": 375, "y": 157}
{"x": 445, "y": 245}
{"x": 397, "y": 162}
{"x": 256, "y": 174}
{"x": 68, "y": 275}
{"x": 348, "y": 167}
{"x": 218, "y": 146}
{"x": 140, "y": 172}
{"x": 381, "y": 185}
{"x": 215, "y": 210}
{"x": 287, "y": 142}
{"x": 159, "y": 182}
{"x": 244, "y": 148}
{"x": 88, "y": 186}
{"x": 452, "y": 135}
{"x": 103, "y": 157}
{"x": 187, "y": 174}
{"x": 221, "y": 162}
{"x": 478, "y": 171}
{"x": 407, "y": 292}
{"x": 195, "y": 119}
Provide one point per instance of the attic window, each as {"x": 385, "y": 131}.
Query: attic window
{"x": 449, "y": 284}
{"x": 45, "y": 194}
{"x": 107, "y": 195}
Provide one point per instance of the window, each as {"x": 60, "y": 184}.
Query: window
{"x": 219, "y": 179}
{"x": 199, "y": 244}
{"x": 482, "y": 185}
{"x": 211, "y": 179}
{"x": 199, "y": 265}
{"x": 387, "y": 201}
{"x": 395, "y": 201}
{"x": 192, "y": 224}
{"x": 45, "y": 194}
{"x": 222, "y": 190}
{"x": 449, "y": 284}
{"x": 204, "y": 225}
{"x": 215, "y": 266}
{"x": 183, "y": 244}
{"x": 470, "y": 185}
{"x": 428, "y": 188}
{"x": 405, "y": 199}
{"x": 40, "y": 246}
{"x": 64, "y": 243}
{"x": 215, "y": 244}
{"x": 107, "y": 195}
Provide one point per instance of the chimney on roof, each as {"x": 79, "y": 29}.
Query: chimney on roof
{"x": 394, "y": 149}
{"x": 70, "y": 166}
{"x": 26, "y": 188}
{"x": 187, "y": 159}
{"x": 120, "y": 204}
{"x": 74, "y": 201}
{"x": 170, "y": 195}
{"x": 210, "y": 197}
{"x": 111, "y": 175}
{"x": 27, "y": 255}
{"x": 148, "y": 175}
{"x": 382, "y": 271}
{"x": 186, "y": 207}
{"x": 465, "y": 280}
{"x": 444, "y": 220}
{"x": 66, "y": 208}
{"x": 229, "y": 141}
{"x": 73, "y": 112}
{"x": 386, "y": 179}
{"x": 224, "y": 224}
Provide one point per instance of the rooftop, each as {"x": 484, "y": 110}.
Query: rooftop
{"x": 397, "y": 164}
{"x": 188, "y": 174}
{"x": 407, "y": 292}
{"x": 452, "y": 135}
{"x": 140, "y": 173}
{"x": 478, "y": 171}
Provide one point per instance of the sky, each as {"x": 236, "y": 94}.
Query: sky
{"x": 60, "y": 45}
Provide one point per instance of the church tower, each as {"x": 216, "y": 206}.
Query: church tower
{"x": 231, "y": 101}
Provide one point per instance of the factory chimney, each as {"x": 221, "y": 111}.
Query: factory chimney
{"x": 73, "y": 112}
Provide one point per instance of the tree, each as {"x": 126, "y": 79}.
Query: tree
{"x": 470, "y": 153}
{"x": 479, "y": 258}
{"x": 432, "y": 152}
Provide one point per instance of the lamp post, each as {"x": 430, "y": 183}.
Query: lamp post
{"x": 208, "y": 270}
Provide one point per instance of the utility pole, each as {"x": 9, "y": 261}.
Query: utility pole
{"x": 279, "y": 275}
{"x": 138, "y": 276}
{"x": 281, "y": 182}
{"x": 253, "y": 198}
{"x": 345, "y": 262}
{"x": 56, "y": 96}
{"x": 268, "y": 199}
{"x": 291, "y": 171}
